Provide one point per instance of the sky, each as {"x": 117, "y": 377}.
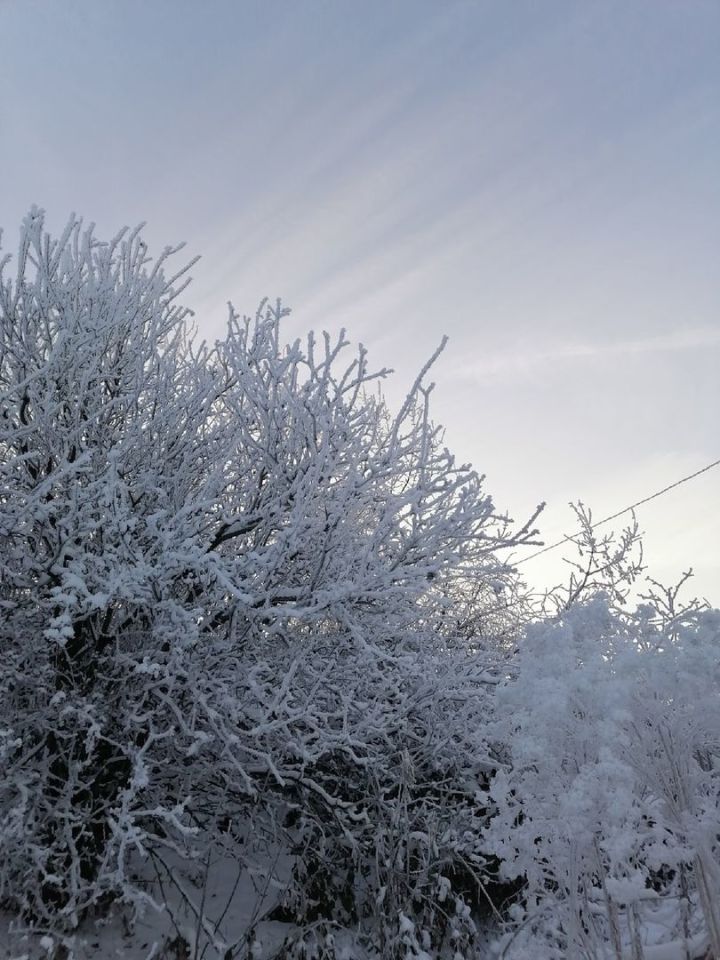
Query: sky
{"x": 538, "y": 181}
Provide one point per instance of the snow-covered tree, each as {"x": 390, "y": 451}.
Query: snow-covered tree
{"x": 225, "y": 571}
{"x": 608, "y": 803}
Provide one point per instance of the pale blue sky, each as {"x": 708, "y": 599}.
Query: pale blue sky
{"x": 538, "y": 180}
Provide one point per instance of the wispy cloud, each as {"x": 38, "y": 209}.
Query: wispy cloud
{"x": 519, "y": 361}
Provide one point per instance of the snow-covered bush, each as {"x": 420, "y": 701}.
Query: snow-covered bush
{"x": 390, "y": 837}
{"x": 225, "y": 572}
{"x": 609, "y": 803}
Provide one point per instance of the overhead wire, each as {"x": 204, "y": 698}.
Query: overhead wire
{"x": 613, "y": 516}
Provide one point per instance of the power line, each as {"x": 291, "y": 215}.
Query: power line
{"x": 619, "y": 513}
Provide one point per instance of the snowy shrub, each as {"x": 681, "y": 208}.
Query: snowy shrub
{"x": 390, "y": 839}
{"x": 226, "y": 574}
{"x": 609, "y": 806}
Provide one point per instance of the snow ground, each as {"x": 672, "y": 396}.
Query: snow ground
{"x": 215, "y": 910}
